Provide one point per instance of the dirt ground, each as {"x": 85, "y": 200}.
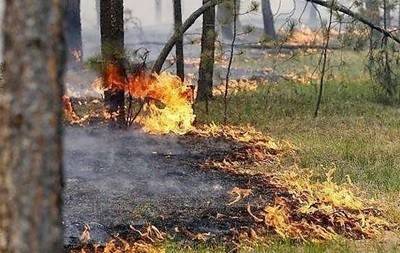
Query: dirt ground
{"x": 117, "y": 179}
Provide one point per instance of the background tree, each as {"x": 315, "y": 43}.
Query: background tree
{"x": 206, "y": 68}
{"x": 30, "y": 127}
{"x": 180, "y": 63}
{"x": 158, "y": 7}
{"x": 389, "y": 7}
{"x": 268, "y": 18}
{"x": 225, "y": 18}
{"x": 112, "y": 50}
{"x": 98, "y": 12}
{"x": 74, "y": 33}
{"x": 398, "y": 14}
{"x": 372, "y": 9}
{"x": 313, "y": 18}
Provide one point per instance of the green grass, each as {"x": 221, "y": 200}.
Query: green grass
{"x": 353, "y": 132}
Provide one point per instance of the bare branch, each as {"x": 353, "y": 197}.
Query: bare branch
{"x": 347, "y": 11}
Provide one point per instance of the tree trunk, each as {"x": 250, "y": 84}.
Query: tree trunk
{"x": 73, "y": 33}
{"x": 30, "y": 127}
{"x": 158, "y": 10}
{"x": 180, "y": 64}
{"x": 313, "y": 18}
{"x": 398, "y": 9}
{"x": 225, "y": 18}
{"x": 387, "y": 15}
{"x": 206, "y": 68}
{"x": 268, "y": 18}
{"x": 98, "y": 12}
{"x": 372, "y": 7}
{"x": 112, "y": 49}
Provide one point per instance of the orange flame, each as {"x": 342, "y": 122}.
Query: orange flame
{"x": 176, "y": 113}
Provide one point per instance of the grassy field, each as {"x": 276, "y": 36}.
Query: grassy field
{"x": 355, "y": 133}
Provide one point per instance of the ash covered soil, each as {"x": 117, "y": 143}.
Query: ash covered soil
{"x": 117, "y": 179}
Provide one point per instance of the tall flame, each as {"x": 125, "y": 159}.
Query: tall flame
{"x": 168, "y": 107}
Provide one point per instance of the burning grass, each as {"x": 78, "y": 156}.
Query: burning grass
{"x": 306, "y": 36}
{"x": 251, "y": 147}
{"x": 147, "y": 241}
{"x": 236, "y": 86}
{"x": 303, "y": 208}
{"x": 291, "y": 203}
{"x": 167, "y": 101}
{"x": 321, "y": 210}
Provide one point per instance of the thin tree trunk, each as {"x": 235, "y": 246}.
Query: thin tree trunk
{"x": 74, "y": 33}
{"x": 30, "y": 127}
{"x": 268, "y": 18}
{"x": 324, "y": 61}
{"x": 180, "y": 64}
{"x": 112, "y": 49}
{"x": 206, "y": 68}
{"x": 390, "y": 88}
{"x": 228, "y": 72}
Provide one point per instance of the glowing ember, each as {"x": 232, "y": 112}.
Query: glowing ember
{"x": 168, "y": 103}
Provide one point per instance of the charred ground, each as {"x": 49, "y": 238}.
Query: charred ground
{"x": 119, "y": 179}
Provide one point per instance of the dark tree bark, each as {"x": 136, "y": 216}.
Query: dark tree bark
{"x": 112, "y": 49}
{"x": 206, "y": 68}
{"x": 268, "y": 18}
{"x": 180, "y": 64}
{"x": 387, "y": 13}
{"x": 30, "y": 127}
{"x": 73, "y": 33}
